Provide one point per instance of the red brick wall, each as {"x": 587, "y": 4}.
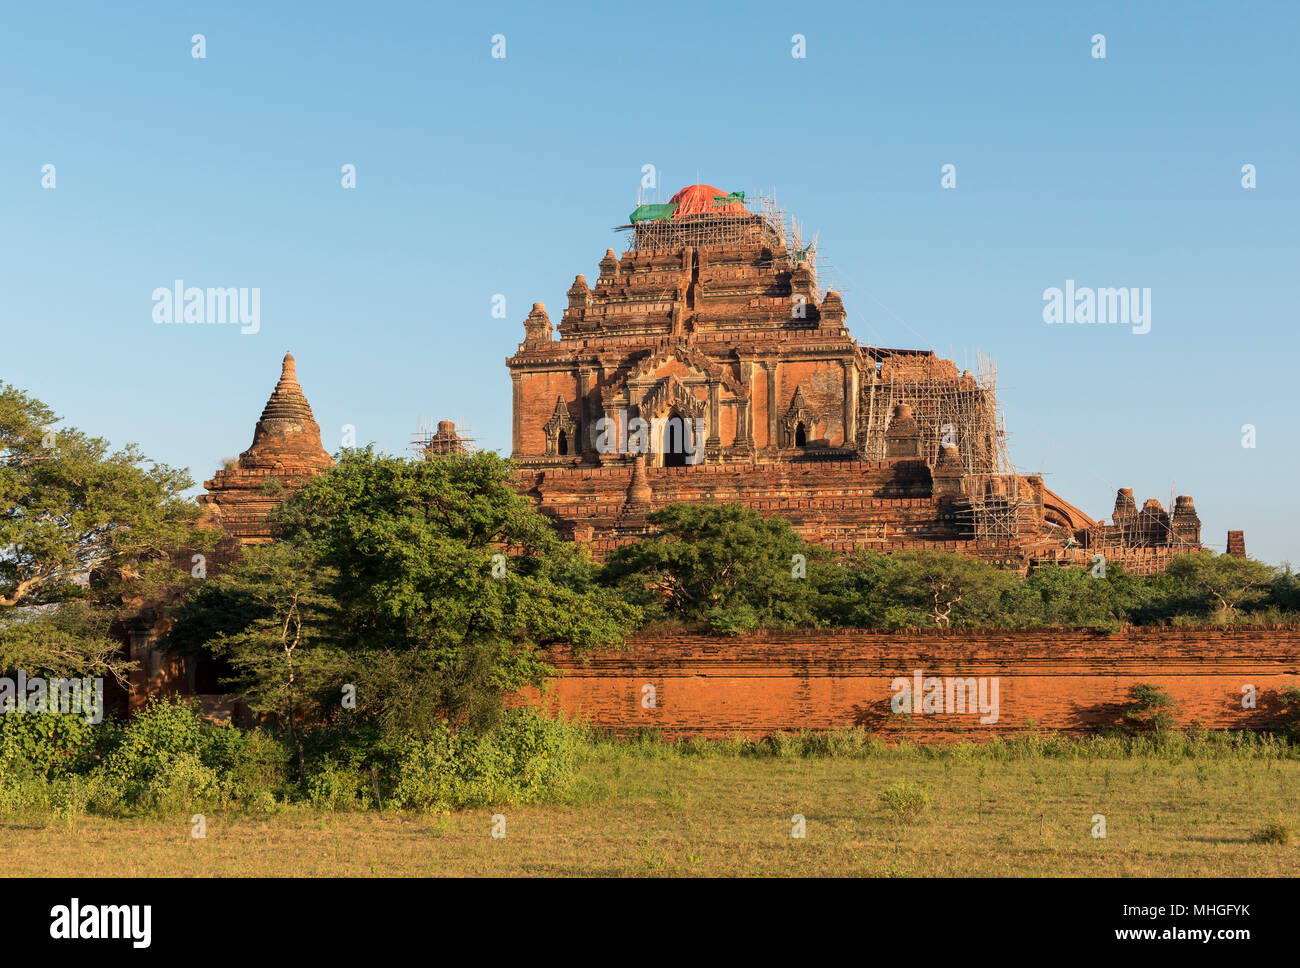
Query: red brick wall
{"x": 1063, "y": 679}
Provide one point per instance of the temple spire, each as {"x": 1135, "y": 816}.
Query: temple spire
{"x": 287, "y": 427}
{"x": 286, "y": 451}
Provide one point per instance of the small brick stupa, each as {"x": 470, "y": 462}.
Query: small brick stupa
{"x": 286, "y": 453}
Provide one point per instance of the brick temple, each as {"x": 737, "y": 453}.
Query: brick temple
{"x": 707, "y": 364}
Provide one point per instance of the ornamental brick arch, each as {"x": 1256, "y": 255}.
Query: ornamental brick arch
{"x": 668, "y": 395}
{"x": 798, "y": 418}
{"x": 561, "y": 431}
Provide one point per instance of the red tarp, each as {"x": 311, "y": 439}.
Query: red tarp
{"x": 698, "y": 199}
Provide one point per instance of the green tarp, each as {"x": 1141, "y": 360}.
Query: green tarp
{"x": 648, "y": 213}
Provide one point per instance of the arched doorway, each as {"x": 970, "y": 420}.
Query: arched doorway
{"x": 562, "y": 445}
{"x": 800, "y": 436}
{"x": 675, "y": 440}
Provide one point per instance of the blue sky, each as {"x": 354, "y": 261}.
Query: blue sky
{"x": 478, "y": 176}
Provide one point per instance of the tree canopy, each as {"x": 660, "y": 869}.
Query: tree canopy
{"x": 726, "y": 567}
{"x": 270, "y": 616}
{"x": 1226, "y": 583}
{"x": 720, "y": 564}
{"x": 914, "y": 589}
{"x": 445, "y": 586}
{"x": 72, "y": 510}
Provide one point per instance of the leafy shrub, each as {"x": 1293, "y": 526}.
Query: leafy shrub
{"x": 252, "y": 764}
{"x": 526, "y": 758}
{"x": 1289, "y": 699}
{"x": 21, "y": 795}
{"x": 786, "y": 746}
{"x": 732, "y": 621}
{"x": 906, "y": 802}
{"x": 850, "y": 743}
{"x": 335, "y": 786}
{"x": 732, "y": 746}
{"x": 75, "y": 795}
{"x": 842, "y": 742}
{"x": 1153, "y": 709}
{"x": 182, "y": 784}
{"x": 46, "y": 745}
{"x": 159, "y": 734}
{"x": 168, "y": 758}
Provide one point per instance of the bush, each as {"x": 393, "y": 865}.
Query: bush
{"x": 165, "y": 759}
{"x": 169, "y": 755}
{"x": 836, "y": 743}
{"x": 169, "y": 759}
{"x": 906, "y": 802}
{"x": 182, "y": 784}
{"x": 732, "y": 621}
{"x": 253, "y": 764}
{"x": 786, "y": 746}
{"x": 159, "y": 734}
{"x": 21, "y": 795}
{"x": 1277, "y": 832}
{"x": 46, "y": 745}
{"x": 1289, "y": 700}
{"x": 335, "y": 786}
{"x": 1153, "y": 709}
{"x": 526, "y": 758}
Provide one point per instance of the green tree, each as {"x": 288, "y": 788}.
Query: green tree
{"x": 270, "y": 615}
{"x": 939, "y": 588}
{"x": 70, "y": 639}
{"x": 449, "y": 585}
{"x": 1284, "y": 593}
{"x": 1062, "y": 595}
{"x": 1224, "y": 583}
{"x": 71, "y": 511}
{"x": 860, "y": 591}
{"x": 720, "y": 564}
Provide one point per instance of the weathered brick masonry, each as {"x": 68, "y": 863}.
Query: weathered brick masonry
{"x": 707, "y": 363}
{"x": 721, "y": 370}
{"x": 285, "y": 454}
{"x": 1072, "y": 680}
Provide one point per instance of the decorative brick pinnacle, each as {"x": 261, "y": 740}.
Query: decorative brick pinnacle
{"x": 287, "y": 432}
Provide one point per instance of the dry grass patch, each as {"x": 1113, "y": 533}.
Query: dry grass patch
{"x": 681, "y": 816}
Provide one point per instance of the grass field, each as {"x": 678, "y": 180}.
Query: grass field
{"x": 676, "y": 814}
